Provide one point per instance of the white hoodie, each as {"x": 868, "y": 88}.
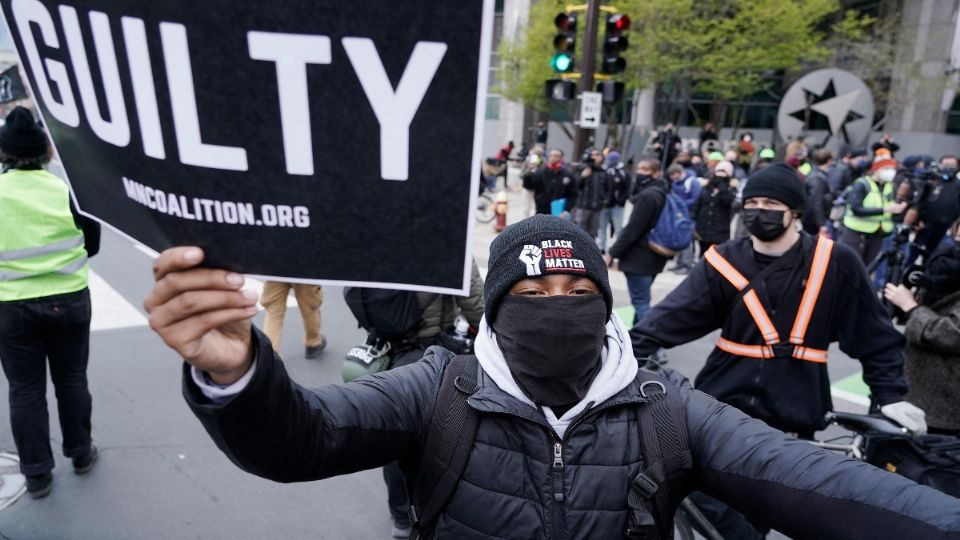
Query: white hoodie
{"x": 617, "y": 370}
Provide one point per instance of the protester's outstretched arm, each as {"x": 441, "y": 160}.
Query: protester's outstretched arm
{"x": 804, "y": 491}
{"x": 277, "y": 429}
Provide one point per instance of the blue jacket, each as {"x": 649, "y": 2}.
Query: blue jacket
{"x": 688, "y": 190}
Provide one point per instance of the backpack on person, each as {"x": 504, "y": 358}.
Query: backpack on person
{"x": 453, "y": 429}
{"x": 391, "y": 319}
{"x": 931, "y": 460}
{"x": 674, "y": 229}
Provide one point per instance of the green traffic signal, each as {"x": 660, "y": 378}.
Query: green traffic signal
{"x": 562, "y": 63}
{"x": 564, "y": 43}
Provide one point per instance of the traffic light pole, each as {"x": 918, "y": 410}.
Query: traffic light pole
{"x": 589, "y": 66}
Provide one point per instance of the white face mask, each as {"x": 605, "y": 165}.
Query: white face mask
{"x": 886, "y": 175}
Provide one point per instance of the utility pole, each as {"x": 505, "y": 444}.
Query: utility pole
{"x": 589, "y": 66}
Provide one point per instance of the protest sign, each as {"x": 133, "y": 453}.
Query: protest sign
{"x": 11, "y": 87}
{"x": 299, "y": 139}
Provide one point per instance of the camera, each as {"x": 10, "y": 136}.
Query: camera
{"x": 933, "y": 172}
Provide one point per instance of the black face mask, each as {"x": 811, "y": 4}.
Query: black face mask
{"x": 767, "y": 225}
{"x": 552, "y": 345}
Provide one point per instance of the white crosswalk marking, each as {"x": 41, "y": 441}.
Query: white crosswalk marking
{"x": 110, "y": 309}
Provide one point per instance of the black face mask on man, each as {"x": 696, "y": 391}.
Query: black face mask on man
{"x": 552, "y": 345}
{"x": 767, "y": 225}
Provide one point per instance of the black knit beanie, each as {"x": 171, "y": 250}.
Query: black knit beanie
{"x": 540, "y": 246}
{"x": 21, "y": 137}
{"x": 778, "y": 181}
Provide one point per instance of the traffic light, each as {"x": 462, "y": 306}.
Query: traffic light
{"x": 561, "y": 90}
{"x": 614, "y": 43}
{"x": 564, "y": 43}
{"x": 612, "y": 91}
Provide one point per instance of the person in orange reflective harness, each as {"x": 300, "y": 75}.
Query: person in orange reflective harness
{"x": 780, "y": 297}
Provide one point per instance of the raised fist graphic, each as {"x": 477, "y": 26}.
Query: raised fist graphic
{"x": 531, "y": 256}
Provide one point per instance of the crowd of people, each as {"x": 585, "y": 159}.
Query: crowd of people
{"x": 547, "y": 426}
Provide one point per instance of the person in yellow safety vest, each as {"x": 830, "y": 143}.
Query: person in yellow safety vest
{"x": 44, "y": 303}
{"x": 870, "y": 209}
{"x": 780, "y": 298}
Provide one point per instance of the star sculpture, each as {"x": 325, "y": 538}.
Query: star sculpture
{"x": 828, "y": 106}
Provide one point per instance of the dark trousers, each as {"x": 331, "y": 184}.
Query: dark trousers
{"x": 397, "y": 493}
{"x": 54, "y": 329}
{"x": 868, "y": 246}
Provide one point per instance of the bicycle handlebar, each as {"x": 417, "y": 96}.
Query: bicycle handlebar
{"x": 862, "y": 423}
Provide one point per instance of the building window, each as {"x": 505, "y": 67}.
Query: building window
{"x": 493, "y": 107}
{"x": 493, "y": 100}
{"x": 953, "y": 116}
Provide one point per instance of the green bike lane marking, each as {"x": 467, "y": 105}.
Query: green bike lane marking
{"x": 850, "y": 388}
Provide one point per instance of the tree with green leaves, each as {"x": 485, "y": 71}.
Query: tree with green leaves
{"x": 717, "y": 47}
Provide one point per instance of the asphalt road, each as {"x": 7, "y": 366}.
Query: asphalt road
{"x": 161, "y": 477}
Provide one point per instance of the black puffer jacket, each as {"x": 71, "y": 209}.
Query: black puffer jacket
{"x": 549, "y": 185}
{"x": 278, "y": 430}
{"x": 594, "y": 189}
{"x": 713, "y": 212}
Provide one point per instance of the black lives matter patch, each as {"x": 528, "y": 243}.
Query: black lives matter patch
{"x": 551, "y": 256}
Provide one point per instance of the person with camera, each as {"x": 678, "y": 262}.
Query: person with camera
{"x": 939, "y": 205}
{"x": 780, "y": 298}
{"x": 933, "y": 337}
{"x": 567, "y": 437}
{"x": 594, "y": 188}
{"x": 714, "y": 206}
{"x": 667, "y": 145}
{"x": 871, "y": 206}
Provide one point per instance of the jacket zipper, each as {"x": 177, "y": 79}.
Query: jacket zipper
{"x": 557, "y": 488}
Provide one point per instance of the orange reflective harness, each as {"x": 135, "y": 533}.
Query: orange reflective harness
{"x": 771, "y": 338}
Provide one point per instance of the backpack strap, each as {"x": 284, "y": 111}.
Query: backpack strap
{"x": 453, "y": 428}
{"x": 666, "y": 449}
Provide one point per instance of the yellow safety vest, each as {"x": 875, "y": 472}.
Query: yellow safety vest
{"x": 41, "y": 249}
{"x": 874, "y": 199}
{"x": 771, "y": 338}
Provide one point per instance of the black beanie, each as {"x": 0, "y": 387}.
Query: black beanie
{"x": 778, "y": 181}
{"x": 21, "y": 137}
{"x": 554, "y": 246}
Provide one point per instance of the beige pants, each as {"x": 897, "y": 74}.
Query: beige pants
{"x": 274, "y": 300}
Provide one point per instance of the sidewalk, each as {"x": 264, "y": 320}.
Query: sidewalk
{"x": 517, "y": 197}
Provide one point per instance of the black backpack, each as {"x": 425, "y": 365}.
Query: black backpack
{"x": 386, "y": 313}
{"x": 654, "y": 494}
{"x": 931, "y": 460}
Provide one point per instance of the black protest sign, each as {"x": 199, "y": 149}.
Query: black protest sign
{"x": 299, "y": 139}
{"x": 11, "y": 87}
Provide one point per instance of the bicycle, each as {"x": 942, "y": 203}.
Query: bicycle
{"x": 868, "y": 438}
{"x": 486, "y": 208}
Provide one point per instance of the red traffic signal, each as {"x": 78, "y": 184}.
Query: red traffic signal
{"x": 614, "y": 43}
{"x": 566, "y": 22}
{"x": 618, "y": 23}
